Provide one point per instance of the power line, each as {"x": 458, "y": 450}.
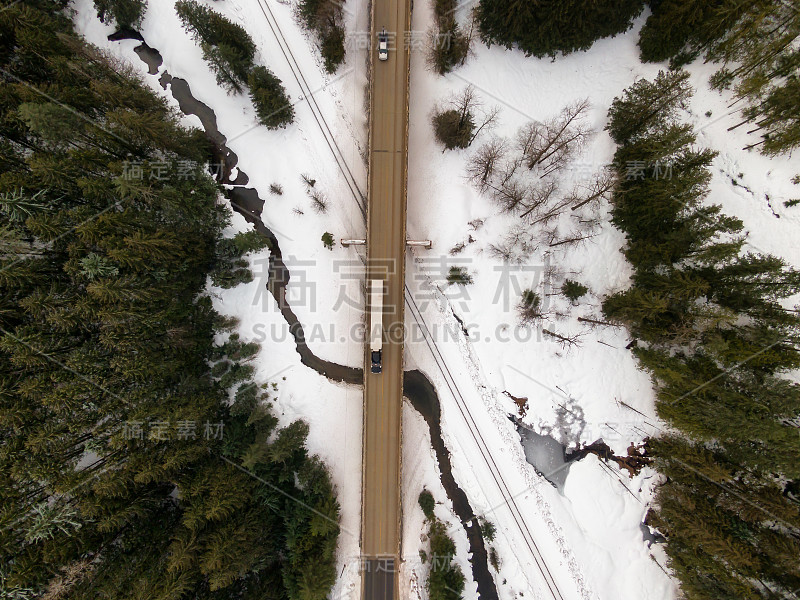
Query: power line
{"x": 508, "y": 497}
{"x": 431, "y": 343}
{"x": 307, "y": 93}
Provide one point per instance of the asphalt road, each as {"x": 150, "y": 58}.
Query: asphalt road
{"x": 386, "y": 236}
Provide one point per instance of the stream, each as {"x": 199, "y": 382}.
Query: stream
{"x": 420, "y": 391}
{"x": 417, "y": 387}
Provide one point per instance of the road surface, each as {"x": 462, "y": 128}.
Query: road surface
{"x": 386, "y": 242}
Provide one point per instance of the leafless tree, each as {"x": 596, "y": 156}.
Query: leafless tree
{"x": 549, "y": 235}
{"x": 552, "y": 212}
{"x": 552, "y": 271}
{"x": 468, "y": 103}
{"x": 538, "y": 206}
{"x": 460, "y": 119}
{"x": 590, "y": 222}
{"x": 512, "y": 196}
{"x": 531, "y": 136}
{"x": 573, "y": 238}
{"x": 318, "y": 201}
{"x": 509, "y": 252}
{"x": 469, "y": 36}
{"x": 484, "y": 163}
{"x": 508, "y": 171}
{"x": 458, "y": 248}
{"x": 565, "y": 340}
{"x": 502, "y": 251}
{"x": 548, "y": 146}
{"x": 595, "y": 322}
{"x": 488, "y": 119}
{"x": 521, "y": 236}
{"x": 602, "y": 184}
{"x": 307, "y": 180}
{"x": 516, "y": 247}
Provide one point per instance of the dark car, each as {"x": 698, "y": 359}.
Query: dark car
{"x": 376, "y": 361}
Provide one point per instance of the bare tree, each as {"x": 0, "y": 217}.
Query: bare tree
{"x": 516, "y": 247}
{"x": 508, "y": 171}
{"x": 536, "y": 205}
{"x": 565, "y": 340}
{"x": 549, "y": 235}
{"x": 512, "y": 195}
{"x": 549, "y": 145}
{"x": 602, "y": 184}
{"x": 552, "y": 273}
{"x": 455, "y": 122}
{"x": 307, "y": 180}
{"x": 589, "y": 222}
{"x": 318, "y": 201}
{"x": 594, "y": 322}
{"x": 551, "y": 212}
{"x": 469, "y": 105}
{"x": 531, "y": 136}
{"x": 488, "y": 119}
{"x": 469, "y": 36}
{"x": 458, "y": 248}
{"x": 502, "y": 251}
{"x": 507, "y": 251}
{"x": 521, "y": 236}
{"x": 465, "y": 102}
{"x": 484, "y": 163}
{"x": 573, "y": 238}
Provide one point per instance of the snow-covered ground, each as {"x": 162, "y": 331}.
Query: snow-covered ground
{"x": 596, "y": 521}
{"x": 334, "y": 412}
{"x": 590, "y": 535}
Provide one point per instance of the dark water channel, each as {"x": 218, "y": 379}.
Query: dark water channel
{"x": 420, "y": 391}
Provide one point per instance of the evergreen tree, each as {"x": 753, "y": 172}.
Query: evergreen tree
{"x": 646, "y": 106}
{"x": 127, "y": 14}
{"x": 574, "y": 290}
{"x": 226, "y": 46}
{"x": 756, "y": 46}
{"x": 778, "y": 116}
{"x": 731, "y": 535}
{"x": 676, "y": 28}
{"x": 547, "y": 27}
{"x": 453, "y": 129}
{"x": 325, "y": 18}
{"x": 273, "y": 107}
{"x": 445, "y": 580}
{"x": 718, "y": 345}
{"x": 427, "y": 504}
{"x": 229, "y": 66}
{"x": 124, "y": 459}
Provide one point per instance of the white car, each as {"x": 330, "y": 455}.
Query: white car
{"x": 383, "y": 45}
